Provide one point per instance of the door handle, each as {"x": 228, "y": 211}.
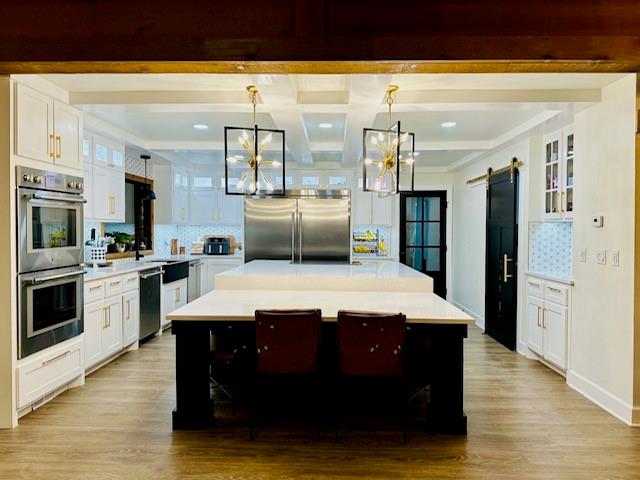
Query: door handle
{"x": 505, "y": 268}
{"x": 52, "y": 145}
{"x": 58, "y": 146}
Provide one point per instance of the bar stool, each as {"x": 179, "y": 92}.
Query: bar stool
{"x": 370, "y": 350}
{"x": 287, "y": 347}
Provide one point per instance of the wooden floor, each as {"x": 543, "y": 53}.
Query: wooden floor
{"x": 524, "y": 422}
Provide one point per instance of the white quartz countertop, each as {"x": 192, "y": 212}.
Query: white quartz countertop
{"x": 283, "y": 275}
{"x": 240, "y": 305}
{"x": 118, "y": 268}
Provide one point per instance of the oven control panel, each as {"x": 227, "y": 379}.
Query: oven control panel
{"x": 41, "y": 179}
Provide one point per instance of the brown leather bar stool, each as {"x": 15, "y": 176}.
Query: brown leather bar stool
{"x": 287, "y": 347}
{"x": 370, "y": 351}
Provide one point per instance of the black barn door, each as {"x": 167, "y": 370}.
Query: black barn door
{"x": 501, "y": 258}
{"x": 423, "y": 235}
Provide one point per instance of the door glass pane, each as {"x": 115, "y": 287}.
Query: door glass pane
{"x": 547, "y": 203}
{"x": 570, "y": 145}
{"x": 203, "y": 182}
{"x": 554, "y": 151}
{"x": 117, "y": 157}
{"x": 55, "y": 304}
{"x": 548, "y": 178}
{"x": 432, "y": 208}
{"x": 310, "y": 181}
{"x": 569, "y": 199}
{"x": 432, "y": 256}
{"x": 432, "y": 234}
{"x": 53, "y": 227}
{"x": 101, "y": 153}
{"x": 414, "y": 208}
{"x": 569, "y": 172}
{"x": 414, "y": 234}
{"x": 548, "y": 155}
{"x": 413, "y": 258}
{"x": 554, "y": 177}
{"x": 339, "y": 180}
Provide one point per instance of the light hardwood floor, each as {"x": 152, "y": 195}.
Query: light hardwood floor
{"x": 524, "y": 422}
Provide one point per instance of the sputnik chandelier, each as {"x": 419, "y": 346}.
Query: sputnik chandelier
{"x": 388, "y": 156}
{"x": 253, "y": 156}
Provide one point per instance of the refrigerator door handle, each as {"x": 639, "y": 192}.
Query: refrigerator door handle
{"x": 300, "y": 236}
{"x": 293, "y": 237}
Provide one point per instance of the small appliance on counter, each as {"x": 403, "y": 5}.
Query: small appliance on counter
{"x": 217, "y": 246}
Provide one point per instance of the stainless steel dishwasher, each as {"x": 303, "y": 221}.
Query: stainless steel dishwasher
{"x": 194, "y": 285}
{"x": 150, "y": 280}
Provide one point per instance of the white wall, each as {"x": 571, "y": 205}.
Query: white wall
{"x": 602, "y": 327}
{"x": 469, "y": 228}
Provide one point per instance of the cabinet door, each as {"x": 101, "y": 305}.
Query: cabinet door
{"x": 230, "y": 210}
{"x": 552, "y": 177}
{"x": 112, "y": 334}
{"x": 567, "y": 175}
{"x": 173, "y": 297}
{"x": 33, "y": 124}
{"x": 100, "y": 152}
{"x": 203, "y": 207}
{"x": 87, "y": 148}
{"x": 130, "y": 315}
{"x": 88, "y": 190}
{"x": 535, "y": 332}
{"x": 382, "y": 209}
{"x": 180, "y": 205}
{"x": 67, "y": 123}
{"x": 555, "y": 341}
{"x": 102, "y": 202}
{"x": 116, "y": 196}
{"x": 361, "y": 207}
{"x": 94, "y": 325}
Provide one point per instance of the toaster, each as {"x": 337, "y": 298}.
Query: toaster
{"x": 217, "y": 246}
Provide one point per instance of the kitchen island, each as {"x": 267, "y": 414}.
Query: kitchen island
{"x": 436, "y": 330}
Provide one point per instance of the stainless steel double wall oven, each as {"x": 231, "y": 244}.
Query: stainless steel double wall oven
{"x": 50, "y": 258}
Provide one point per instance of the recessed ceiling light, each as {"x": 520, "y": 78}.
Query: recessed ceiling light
{"x": 325, "y": 125}
{"x": 200, "y": 126}
{"x": 448, "y": 124}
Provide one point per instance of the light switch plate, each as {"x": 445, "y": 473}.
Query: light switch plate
{"x": 583, "y": 255}
{"x": 615, "y": 258}
{"x": 601, "y": 256}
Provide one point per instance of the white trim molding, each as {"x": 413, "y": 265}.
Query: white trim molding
{"x": 604, "y": 399}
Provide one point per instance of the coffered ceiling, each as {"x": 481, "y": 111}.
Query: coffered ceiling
{"x": 324, "y": 115}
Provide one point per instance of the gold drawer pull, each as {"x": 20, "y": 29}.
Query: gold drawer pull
{"x": 58, "y": 146}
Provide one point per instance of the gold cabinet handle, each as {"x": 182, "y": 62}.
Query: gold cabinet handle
{"x": 104, "y": 318}
{"x": 539, "y": 311}
{"x": 505, "y": 268}
{"x": 128, "y": 309}
{"x": 58, "y": 146}
{"x": 109, "y": 311}
{"x": 177, "y": 295}
{"x": 52, "y": 146}
{"x": 544, "y": 325}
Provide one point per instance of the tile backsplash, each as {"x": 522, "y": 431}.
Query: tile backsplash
{"x": 187, "y": 234}
{"x": 550, "y": 248}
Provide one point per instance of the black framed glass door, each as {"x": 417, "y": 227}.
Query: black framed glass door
{"x": 423, "y": 235}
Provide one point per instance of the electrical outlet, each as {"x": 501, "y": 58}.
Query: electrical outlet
{"x": 615, "y": 258}
{"x": 583, "y": 255}
{"x": 601, "y": 256}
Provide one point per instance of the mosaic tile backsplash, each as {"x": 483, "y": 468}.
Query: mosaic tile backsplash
{"x": 187, "y": 234}
{"x": 550, "y": 248}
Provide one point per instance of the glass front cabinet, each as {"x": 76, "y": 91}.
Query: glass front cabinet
{"x": 558, "y": 175}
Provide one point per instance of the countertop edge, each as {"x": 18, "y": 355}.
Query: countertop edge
{"x": 242, "y": 318}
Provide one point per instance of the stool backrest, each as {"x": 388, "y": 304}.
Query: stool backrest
{"x": 288, "y": 341}
{"x": 371, "y": 344}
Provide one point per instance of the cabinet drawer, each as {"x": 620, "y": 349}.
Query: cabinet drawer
{"x": 113, "y": 286}
{"x": 556, "y": 294}
{"x": 44, "y": 374}
{"x": 93, "y": 291}
{"x": 130, "y": 282}
{"x": 535, "y": 287}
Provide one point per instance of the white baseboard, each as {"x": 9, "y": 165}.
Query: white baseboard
{"x": 478, "y": 318}
{"x": 604, "y": 399}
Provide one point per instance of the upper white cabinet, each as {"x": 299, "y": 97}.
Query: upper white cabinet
{"x": 369, "y": 208}
{"x": 106, "y": 153}
{"x": 171, "y": 186}
{"x": 558, "y": 175}
{"x": 47, "y": 129}
{"x": 107, "y": 194}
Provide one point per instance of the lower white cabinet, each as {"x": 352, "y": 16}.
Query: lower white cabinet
{"x": 548, "y": 313}
{"x": 44, "y": 372}
{"x": 130, "y": 317}
{"x": 174, "y": 296}
{"x": 111, "y": 316}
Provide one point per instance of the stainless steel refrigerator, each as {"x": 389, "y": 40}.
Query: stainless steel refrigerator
{"x": 306, "y": 226}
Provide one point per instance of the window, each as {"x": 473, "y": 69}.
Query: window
{"x": 340, "y": 180}
{"x": 289, "y": 180}
{"x": 310, "y": 181}
{"x": 203, "y": 181}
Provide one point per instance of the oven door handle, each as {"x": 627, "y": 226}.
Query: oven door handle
{"x": 39, "y": 196}
{"x": 35, "y": 281}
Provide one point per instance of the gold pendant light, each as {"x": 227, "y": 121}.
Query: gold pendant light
{"x": 388, "y": 156}
{"x": 251, "y": 164}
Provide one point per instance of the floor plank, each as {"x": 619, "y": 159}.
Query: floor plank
{"x": 524, "y": 423}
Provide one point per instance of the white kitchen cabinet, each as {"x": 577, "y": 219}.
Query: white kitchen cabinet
{"x": 108, "y": 194}
{"x": 171, "y": 186}
{"x": 547, "y": 316}
{"x": 106, "y": 153}
{"x": 558, "y": 175}
{"x": 180, "y": 206}
{"x": 230, "y": 209}
{"x": 214, "y": 265}
{"x": 368, "y": 208}
{"x": 204, "y": 208}
{"x": 130, "y": 317}
{"x": 174, "y": 296}
{"x": 47, "y": 129}
{"x": 88, "y": 190}
{"x": 112, "y": 334}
